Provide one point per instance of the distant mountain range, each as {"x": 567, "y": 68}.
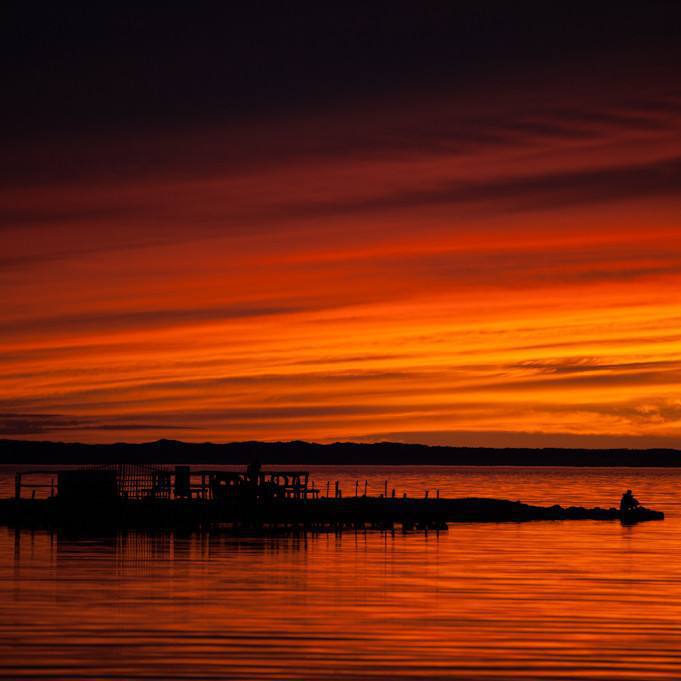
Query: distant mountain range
{"x": 339, "y": 453}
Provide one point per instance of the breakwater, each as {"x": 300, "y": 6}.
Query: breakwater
{"x": 308, "y": 514}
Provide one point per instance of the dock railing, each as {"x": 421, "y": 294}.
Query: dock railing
{"x": 20, "y": 482}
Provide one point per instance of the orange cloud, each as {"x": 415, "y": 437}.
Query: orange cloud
{"x": 425, "y": 269}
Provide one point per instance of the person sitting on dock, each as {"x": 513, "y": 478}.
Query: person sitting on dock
{"x": 628, "y": 502}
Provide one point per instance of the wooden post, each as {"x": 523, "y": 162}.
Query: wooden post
{"x": 437, "y": 493}
{"x": 385, "y": 488}
{"x": 327, "y": 489}
{"x": 366, "y": 482}
{"x": 426, "y": 494}
{"x": 336, "y": 489}
{"x": 356, "y": 487}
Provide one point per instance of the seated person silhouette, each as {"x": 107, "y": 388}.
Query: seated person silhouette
{"x": 628, "y": 502}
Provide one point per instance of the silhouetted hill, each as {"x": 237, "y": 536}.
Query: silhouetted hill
{"x": 307, "y": 453}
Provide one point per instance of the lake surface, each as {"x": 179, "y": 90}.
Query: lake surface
{"x": 540, "y": 600}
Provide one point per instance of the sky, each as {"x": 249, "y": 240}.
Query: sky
{"x": 421, "y": 222}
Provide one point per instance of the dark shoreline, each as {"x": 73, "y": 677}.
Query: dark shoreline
{"x": 337, "y": 454}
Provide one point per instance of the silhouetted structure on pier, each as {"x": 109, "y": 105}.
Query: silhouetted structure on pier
{"x": 141, "y": 482}
{"x": 127, "y": 495}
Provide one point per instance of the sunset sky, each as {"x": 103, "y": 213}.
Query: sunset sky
{"x": 404, "y": 222}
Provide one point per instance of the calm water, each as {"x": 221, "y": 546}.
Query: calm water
{"x": 544, "y": 600}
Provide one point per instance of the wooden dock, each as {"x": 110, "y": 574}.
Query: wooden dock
{"x": 125, "y": 496}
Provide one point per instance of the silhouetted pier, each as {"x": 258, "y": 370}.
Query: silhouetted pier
{"x": 130, "y": 495}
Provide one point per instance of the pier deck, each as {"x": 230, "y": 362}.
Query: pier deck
{"x": 321, "y": 513}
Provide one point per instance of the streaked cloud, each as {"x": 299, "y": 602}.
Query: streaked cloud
{"x": 438, "y": 270}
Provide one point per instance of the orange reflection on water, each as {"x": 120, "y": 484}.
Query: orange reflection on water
{"x": 546, "y": 600}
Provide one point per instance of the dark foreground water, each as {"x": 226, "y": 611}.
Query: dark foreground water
{"x": 544, "y": 600}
